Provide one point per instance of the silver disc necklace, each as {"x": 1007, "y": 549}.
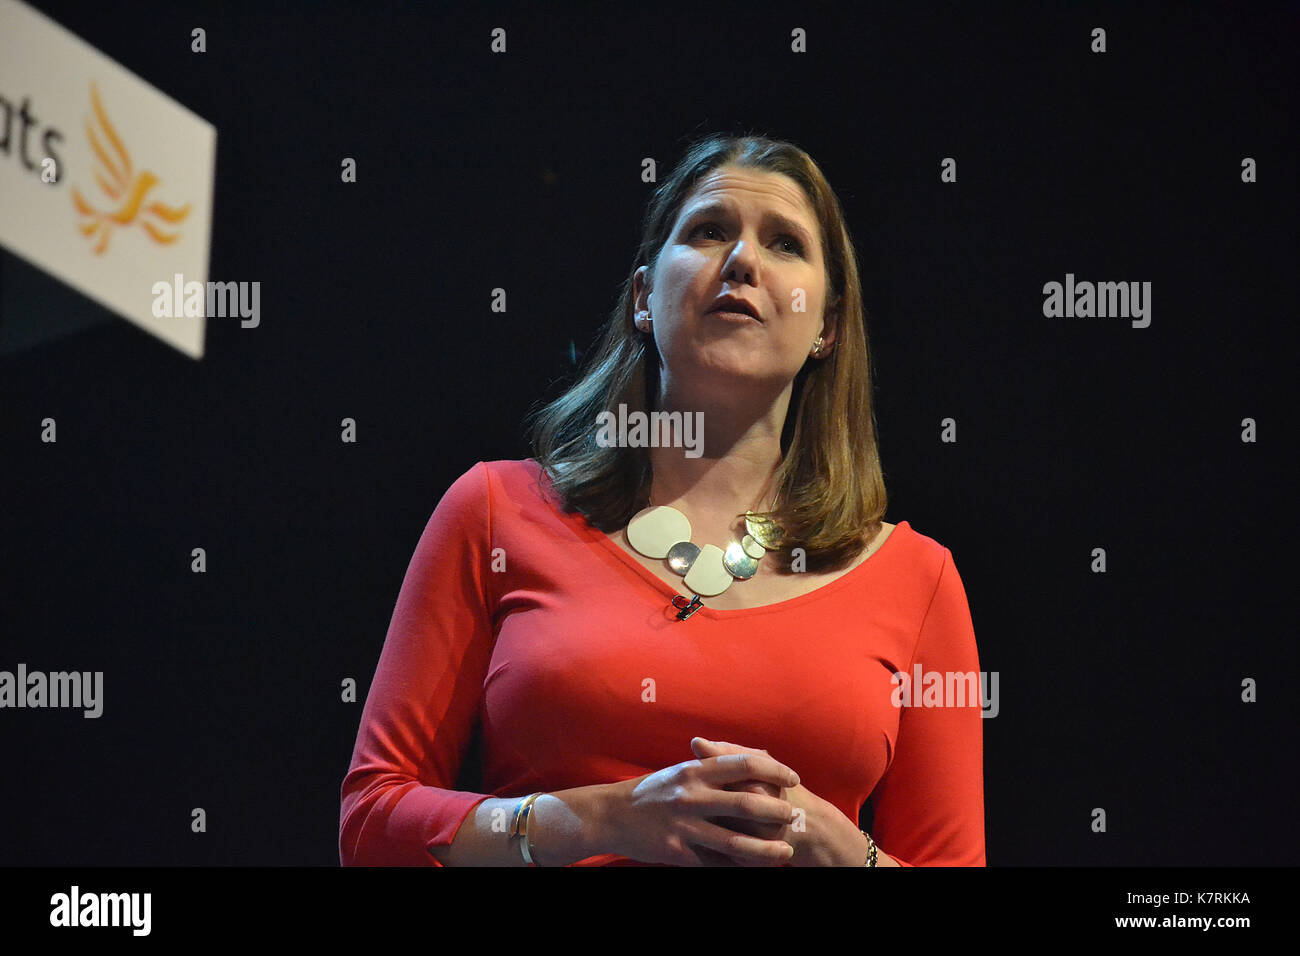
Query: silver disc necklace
{"x": 661, "y": 531}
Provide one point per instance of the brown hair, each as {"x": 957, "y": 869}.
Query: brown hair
{"x": 830, "y": 489}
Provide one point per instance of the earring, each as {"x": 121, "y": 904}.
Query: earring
{"x": 643, "y": 320}
{"x": 817, "y": 347}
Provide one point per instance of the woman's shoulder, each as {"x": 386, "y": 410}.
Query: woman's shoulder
{"x": 500, "y": 471}
{"x": 497, "y": 489}
{"x": 915, "y": 552}
{"x": 918, "y": 541}
{"x": 502, "y": 483}
{"x": 512, "y": 474}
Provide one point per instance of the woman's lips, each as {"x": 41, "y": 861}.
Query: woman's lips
{"x": 734, "y": 316}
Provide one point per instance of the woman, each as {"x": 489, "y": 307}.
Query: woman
{"x": 735, "y": 704}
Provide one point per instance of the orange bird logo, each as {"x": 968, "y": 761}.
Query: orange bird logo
{"x": 124, "y": 188}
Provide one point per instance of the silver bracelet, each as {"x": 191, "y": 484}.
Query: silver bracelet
{"x": 519, "y": 827}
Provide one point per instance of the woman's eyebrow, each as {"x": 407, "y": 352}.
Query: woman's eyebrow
{"x": 723, "y": 209}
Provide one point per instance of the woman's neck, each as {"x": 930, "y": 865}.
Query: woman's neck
{"x": 734, "y": 472}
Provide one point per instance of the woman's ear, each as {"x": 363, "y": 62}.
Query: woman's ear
{"x": 640, "y": 289}
{"x": 830, "y": 324}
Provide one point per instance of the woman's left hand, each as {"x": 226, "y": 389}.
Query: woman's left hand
{"x": 821, "y": 835}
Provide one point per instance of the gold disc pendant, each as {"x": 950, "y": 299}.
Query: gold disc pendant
{"x": 763, "y": 530}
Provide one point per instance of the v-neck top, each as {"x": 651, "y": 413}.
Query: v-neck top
{"x": 525, "y": 625}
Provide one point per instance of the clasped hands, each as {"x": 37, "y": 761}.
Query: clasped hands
{"x": 820, "y": 833}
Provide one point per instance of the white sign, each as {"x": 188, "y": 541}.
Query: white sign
{"x": 105, "y": 182}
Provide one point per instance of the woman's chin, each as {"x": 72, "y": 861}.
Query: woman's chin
{"x": 731, "y": 370}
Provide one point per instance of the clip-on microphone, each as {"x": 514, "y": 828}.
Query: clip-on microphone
{"x": 684, "y": 608}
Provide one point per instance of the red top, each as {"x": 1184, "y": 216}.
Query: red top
{"x": 527, "y": 622}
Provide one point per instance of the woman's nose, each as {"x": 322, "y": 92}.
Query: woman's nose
{"x": 740, "y": 268}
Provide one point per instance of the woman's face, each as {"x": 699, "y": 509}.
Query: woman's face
{"x": 751, "y": 234}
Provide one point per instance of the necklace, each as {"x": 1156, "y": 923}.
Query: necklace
{"x": 661, "y": 531}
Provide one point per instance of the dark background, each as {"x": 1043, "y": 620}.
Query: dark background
{"x": 522, "y": 171}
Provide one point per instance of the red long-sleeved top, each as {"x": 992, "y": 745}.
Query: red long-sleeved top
{"x": 531, "y": 624}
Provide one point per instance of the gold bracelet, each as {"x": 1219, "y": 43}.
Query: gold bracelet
{"x": 519, "y": 826}
{"x": 871, "y": 848}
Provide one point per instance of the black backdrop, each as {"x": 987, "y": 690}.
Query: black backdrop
{"x": 522, "y": 171}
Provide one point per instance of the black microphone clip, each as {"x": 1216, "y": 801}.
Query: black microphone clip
{"x": 686, "y": 609}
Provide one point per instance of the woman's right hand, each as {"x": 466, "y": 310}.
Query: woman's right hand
{"x": 662, "y": 817}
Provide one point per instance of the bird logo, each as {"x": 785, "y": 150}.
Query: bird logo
{"x": 124, "y": 188}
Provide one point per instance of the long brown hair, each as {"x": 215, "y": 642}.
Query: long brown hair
{"x": 830, "y": 489}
